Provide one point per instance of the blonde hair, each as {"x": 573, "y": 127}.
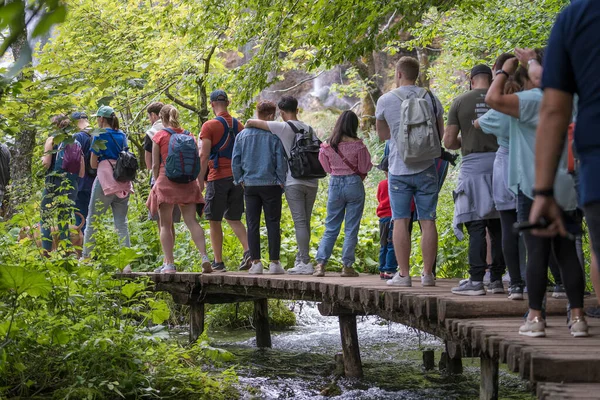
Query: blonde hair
{"x": 170, "y": 116}
{"x": 409, "y": 66}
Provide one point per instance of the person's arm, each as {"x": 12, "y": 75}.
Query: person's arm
{"x": 94, "y": 161}
{"x": 47, "y": 157}
{"x": 148, "y": 152}
{"x": 451, "y": 139}
{"x": 281, "y": 162}
{"x": 440, "y": 124}
{"x": 364, "y": 163}
{"x": 236, "y": 162}
{"x": 555, "y": 116}
{"x": 204, "y": 158}
{"x": 257, "y": 123}
{"x": 505, "y": 103}
{"x": 383, "y": 129}
{"x": 82, "y": 166}
{"x": 324, "y": 160}
{"x": 155, "y": 160}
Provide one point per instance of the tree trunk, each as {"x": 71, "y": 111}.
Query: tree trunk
{"x": 423, "y": 56}
{"x": 367, "y": 70}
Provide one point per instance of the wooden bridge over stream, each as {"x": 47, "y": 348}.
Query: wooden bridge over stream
{"x": 558, "y": 366}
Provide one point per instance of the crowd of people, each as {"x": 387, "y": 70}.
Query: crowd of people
{"x": 511, "y": 187}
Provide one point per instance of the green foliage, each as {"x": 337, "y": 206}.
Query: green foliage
{"x": 240, "y": 315}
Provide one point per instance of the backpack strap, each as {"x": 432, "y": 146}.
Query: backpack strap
{"x": 349, "y": 164}
{"x": 224, "y": 142}
{"x": 398, "y": 94}
{"x": 294, "y": 128}
{"x": 172, "y": 132}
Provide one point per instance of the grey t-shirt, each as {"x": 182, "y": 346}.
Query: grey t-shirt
{"x": 388, "y": 109}
{"x": 287, "y": 137}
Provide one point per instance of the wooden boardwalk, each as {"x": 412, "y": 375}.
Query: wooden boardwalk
{"x": 481, "y": 326}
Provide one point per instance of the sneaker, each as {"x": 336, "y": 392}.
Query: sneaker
{"x": 127, "y": 270}
{"x": 168, "y": 269}
{"x": 218, "y": 266}
{"x": 533, "y": 328}
{"x": 496, "y": 287}
{"x": 427, "y": 280}
{"x": 400, "y": 281}
{"x": 593, "y": 312}
{"x": 487, "y": 278}
{"x": 469, "y": 288}
{"x": 559, "y": 292}
{"x": 319, "y": 270}
{"x": 275, "y": 268}
{"x": 256, "y": 268}
{"x": 246, "y": 261}
{"x": 515, "y": 292}
{"x": 301, "y": 269}
{"x": 349, "y": 272}
{"x": 206, "y": 268}
{"x": 386, "y": 276}
{"x": 578, "y": 327}
{"x": 506, "y": 277}
{"x": 159, "y": 269}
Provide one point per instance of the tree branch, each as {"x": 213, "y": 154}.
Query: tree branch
{"x": 296, "y": 85}
{"x": 181, "y": 103}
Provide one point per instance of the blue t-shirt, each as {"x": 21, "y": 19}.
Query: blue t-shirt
{"x": 571, "y": 65}
{"x": 115, "y": 141}
{"x": 85, "y": 140}
{"x": 495, "y": 123}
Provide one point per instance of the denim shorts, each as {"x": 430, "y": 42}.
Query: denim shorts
{"x": 423, "y": 187}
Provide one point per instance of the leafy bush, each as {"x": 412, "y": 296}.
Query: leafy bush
{"x": 240, "y": 315}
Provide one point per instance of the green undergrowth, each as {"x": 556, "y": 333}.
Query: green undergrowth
{"x": 240, "y": 315}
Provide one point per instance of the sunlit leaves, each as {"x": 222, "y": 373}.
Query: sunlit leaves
{"x": 19, "y": 280}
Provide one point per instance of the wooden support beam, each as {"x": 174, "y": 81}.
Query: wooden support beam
{"x": 488, "y": 390}
{"x": 350, "y": 348}
{"x": 454, "y": 362}
{"x": 196, "y": 321}
{"x": 428, "y": 360}
{"x": 335, "y": 310}
{"x": 261, "y": 323}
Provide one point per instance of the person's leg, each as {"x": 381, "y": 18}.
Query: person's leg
{"x": 538, "y": 255}
{"x": 498, "y": 266}
{"x": 188, "y": 212}
{"x": 119, "y": 208}
{"x": 555, "y": 271}
{"x": 296, "y": 197}
{"x": 167, "y": 240}
{"x": 566, "y": 253}
{"x": 401, "y": 191}
{"x": 98, "y": 206}
{"x": 271, "y": 197}
{"x": 592, "y": 215}
{"x": 429, "y": 245}
{"x": 477, "y": 249}
{"x": 214, "y": 209}
{"x": 384, "y": 227}
{"x": 391, "y": 262}
{"x": 354, "y": 195}
{"x": 46, "y": 220}
{"x": 253, "y": 212}
{"x": 426, "y": 199}
{"x": 510, "y": 246}
{"x": 333, "y": 222}
{"x": 401, "y": 237}
{"x": 595, "y": 276}
{"x": 82, "y": 206}
{"x": 233, "y": 214}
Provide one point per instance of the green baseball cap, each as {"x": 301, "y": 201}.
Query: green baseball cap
{"x": 105, "y": 111}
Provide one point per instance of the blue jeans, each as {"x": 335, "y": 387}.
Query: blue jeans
{"x": 423, "y": 187}
{"x": 346, "y": 200}
{"x": 99, "y": 203}
{"x": 56, "y": 211}
{"x": 82, "y": 204}
{"x": 387, "y": 255}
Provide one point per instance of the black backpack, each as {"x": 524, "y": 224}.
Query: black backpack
{"x": 304, "y": 155}
{"x": 127, "y": 165}
{"x": 87, "y": 154}
{"x": 4, "y": 166}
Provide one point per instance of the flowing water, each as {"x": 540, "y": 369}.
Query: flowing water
{"x": 301, "y": 363}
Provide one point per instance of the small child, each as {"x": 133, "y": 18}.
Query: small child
{"x": 388, "y": 265}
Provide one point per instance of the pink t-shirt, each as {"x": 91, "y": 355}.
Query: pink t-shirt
{"x": 356, "y": 154}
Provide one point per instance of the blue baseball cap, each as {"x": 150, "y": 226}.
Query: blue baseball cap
{"x": 218, "y": 95}
{"x": 79, "y": 115}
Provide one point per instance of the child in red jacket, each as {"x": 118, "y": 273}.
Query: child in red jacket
{"x": 388, "y": 265}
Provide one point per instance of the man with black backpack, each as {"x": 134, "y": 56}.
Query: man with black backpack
{"x": 299, "y": 141}
{"x": 84, "y": 193}
{"x": 412, "y": 118}
{"x": 224, "y": 199}
{"x": 4, "y": 174}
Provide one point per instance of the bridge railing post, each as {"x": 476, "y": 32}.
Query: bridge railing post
{"x": 261, "y": 323}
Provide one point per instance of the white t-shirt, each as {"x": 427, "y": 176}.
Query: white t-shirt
{"x": 287, "y": 137}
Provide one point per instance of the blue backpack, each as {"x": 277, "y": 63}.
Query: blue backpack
{"x": 183, "y": 161}
{"x": 224, "y": 149}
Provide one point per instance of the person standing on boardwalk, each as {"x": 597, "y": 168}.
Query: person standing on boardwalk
{"x": 388, "y": 265}
{"x": 346, "y": 158}
{"x": 412, "y": 172}
{"x": 300, "y": 193}
{"x": 224, "y": 199}
{"x": 106, "y": 190}
{"x": 153, "y": 111}
{"x": 176, "y": 171}
{"x": 259, "y": 165}
{"x": 473, "y": 196}
{"x": 84, "y": 185}
{"x": 524, "y": 107}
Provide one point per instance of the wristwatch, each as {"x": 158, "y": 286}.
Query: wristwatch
{"x": 543, "y": 192}
{"x": 501, "y": 71}
{"x": 531, "y": 60}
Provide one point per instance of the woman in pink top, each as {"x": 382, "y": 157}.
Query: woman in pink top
{"x": 166, "y": 195}
{"x": 346, "y": 158}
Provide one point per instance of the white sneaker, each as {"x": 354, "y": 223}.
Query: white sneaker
{"x": 256, "y": 268}
{"x": 127, "y": 269}
{"x": 302, "y": 269}
{"x": 487, "y": 278}
{"x": 275, "y": 268}
{"x": 427, "y": 280}
{"x": 401, "y": 281}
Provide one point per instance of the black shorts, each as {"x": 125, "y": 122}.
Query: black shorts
{"x": 224, "y": 199}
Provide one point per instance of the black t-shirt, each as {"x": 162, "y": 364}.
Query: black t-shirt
{"x": 148, "y": 144}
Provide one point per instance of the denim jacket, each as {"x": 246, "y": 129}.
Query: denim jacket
{"x": 258, "y": 159}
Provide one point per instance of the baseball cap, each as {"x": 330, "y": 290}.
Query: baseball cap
{"x": 481, "y": 69}
{"x": 104, "y": 111}
{"x": 79, "y": 115}
{"x": 218, "y": 95}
